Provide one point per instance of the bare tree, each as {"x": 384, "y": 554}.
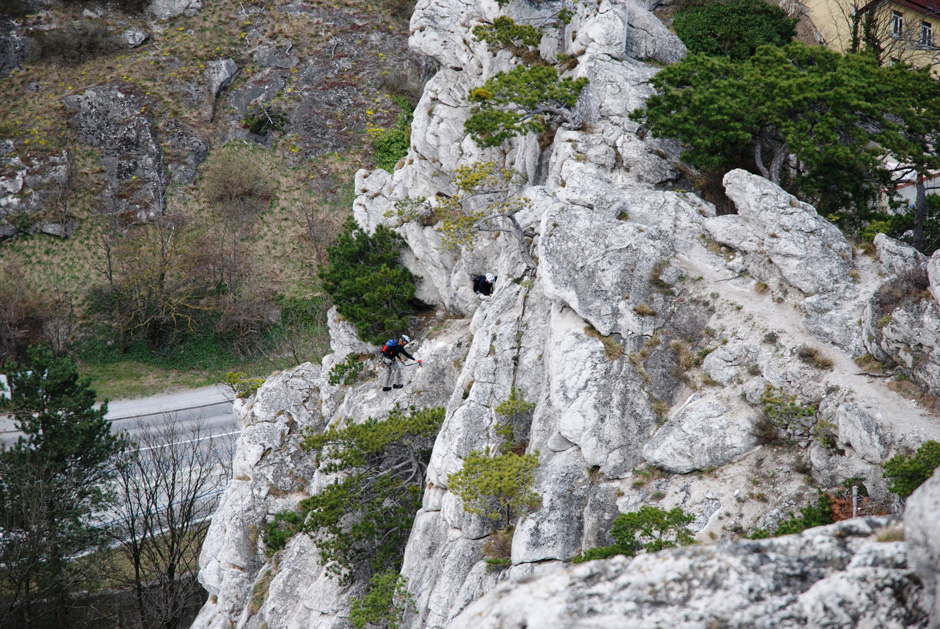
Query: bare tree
{"x": 153, "y": 280}
{"x": 167, "y": 487}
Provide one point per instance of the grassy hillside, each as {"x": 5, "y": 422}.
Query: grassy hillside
{"x": 338, "y": 70}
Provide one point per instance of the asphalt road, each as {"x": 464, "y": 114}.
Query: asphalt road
{"x": 209, "y": 407}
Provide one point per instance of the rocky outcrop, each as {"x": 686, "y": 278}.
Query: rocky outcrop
{"x": 218, "y": 75}
{"x": 923, "y": 540}
{"x": 835, "y": 576}
{"x": 12, "y": 45}
{"x": 167, "y": 9}
{"x": 34, "y": 195}
{"x": 116, "y": 120}
{"x": 633, "y": 307}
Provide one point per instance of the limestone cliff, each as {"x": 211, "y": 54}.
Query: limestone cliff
{"x": 709, "y": 311}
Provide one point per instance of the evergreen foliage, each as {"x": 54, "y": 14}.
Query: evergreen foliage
{"x": 51, "y": 481}
{"x": 241, "y": 385}
{"x": 367, "y": 282}
{"x": 385, "y": 604}
{"x": 504, "y": 33}
{"x": 907, "y": 473}
{"x": 348, "y": 371}
{"x": 733, "y": 28}
{"x": 487, "y": 200}
{"x": 523, "y": 100}
{"x": 839, "y": 116}
{"x": 650, "y": 529}
{"x": 361, "y": 522}
{"x": 511, "y": 408}
{"x": 498, "y": 488}
{"x": 811, "y": 515}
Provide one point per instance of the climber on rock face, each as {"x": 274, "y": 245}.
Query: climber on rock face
{"x": 391, "y": 360}
{"x": 483, "y": 285}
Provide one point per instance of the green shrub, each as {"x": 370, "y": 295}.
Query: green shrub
{"x": 811, "y": 515}
{"x": 241, "y": 385}
{"x": 498, "y": 488}
{"x": 385, "y": 604}
{"x": 348, "y": 371}
{"x": 361, "y": 522}
{"x": 265, "y": 119}
{"x": 733, "y": 28}
{"x": 367, "y": 282}
{"x": 650, "y": 529}
{"x": 392, "y": 145}
{"x": 907, "y": 473}
{"x": 524, "y": 100}
{"x": 510, "y": 408}
{"x": 784, "y": 410}
{"x": 504, "y": 33}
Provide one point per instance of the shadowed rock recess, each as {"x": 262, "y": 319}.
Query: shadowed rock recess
{"x": 650, "y": 338}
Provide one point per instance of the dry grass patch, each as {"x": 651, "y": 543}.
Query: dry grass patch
{"x": 613, "y": 349}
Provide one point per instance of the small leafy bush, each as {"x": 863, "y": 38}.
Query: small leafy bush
{"x": 265, "y": 119}
{"x": 906, "y": 473}
{"x": 391, "y": 145}
{"x": 368, "y": 283}
{"x": 241, "y": 385}
{"x": 650, "y": 529}
{"x": 385, "y": 604}
{"x": 504, "y": 33}
{"x": 811, "y": 515}
{"x": 612, "y": 349}
{"x": 361, "y": 522}
{"x": 784, "y": 409}
{"x": 348, "y": 371}
{"x": 511, "y": 408}
{"x": 498, "y": 488}
{"x": 235, "y": 185}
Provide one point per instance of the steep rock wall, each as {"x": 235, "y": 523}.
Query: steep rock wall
{"x": 708, "y": 312}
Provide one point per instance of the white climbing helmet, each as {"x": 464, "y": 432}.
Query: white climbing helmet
{"x": 405, "y": 338}
{"x": 490, "y": 278}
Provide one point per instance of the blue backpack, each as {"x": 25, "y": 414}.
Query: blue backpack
{"x": 387, "y": 348}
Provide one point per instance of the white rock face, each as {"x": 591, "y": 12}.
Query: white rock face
{"x": 629, "y": 312}
{"x": 704, "y": 434}
{"x": 923, "y": 539}
{"x": 835, "y": 576}
{"x": 166, "y": 9}
{"x": 808, "y": 252}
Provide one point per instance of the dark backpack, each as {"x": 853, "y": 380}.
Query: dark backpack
{"x": 387, "y": 348}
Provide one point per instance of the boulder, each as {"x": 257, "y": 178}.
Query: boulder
{"x": 806, "y": 251}
{"x": 116, "y": 119}
{"x": 167, "y": 9}
{"x": 134, "y": 37}
{"x": 601, "y": 268}
{"x": 273, "y": 57}
{"x": 185, "y": 151}
{"x": 703, "y": 433}
{"x": 217, "y": 76}
{"x": 648, "y": 39}
{"x": 831, "y": 576}
{"x": 897, "y": 257}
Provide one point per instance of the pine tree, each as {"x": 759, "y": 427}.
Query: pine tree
{"x": 51, "y": 482}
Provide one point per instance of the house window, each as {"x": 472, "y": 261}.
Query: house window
{"x": 897, "y": 23}
{"x": 926, "y": 34}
